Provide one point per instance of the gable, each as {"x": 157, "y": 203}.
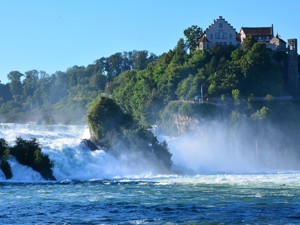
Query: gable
{"x": 221, "y": 32}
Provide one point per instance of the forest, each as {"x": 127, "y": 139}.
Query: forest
{"x": 65, "y": 92}
{"x": 143, "y": 84}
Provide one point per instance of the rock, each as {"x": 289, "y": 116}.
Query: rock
{"x": 6, "y": 169}
{"x": 88, "y": 144}
{"x": 106, "y": 120}
{"x": 122, "y": 136}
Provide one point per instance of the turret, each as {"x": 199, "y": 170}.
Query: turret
{"x": 293, "y": 75}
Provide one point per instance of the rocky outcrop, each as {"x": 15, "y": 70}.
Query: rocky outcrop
{"x": 121, "y": 136}
{"x": 6, "y": 169}
{"x": 88, "y": 144}
{"x": 182, "y": 116}
{"x": 29, "y": 153}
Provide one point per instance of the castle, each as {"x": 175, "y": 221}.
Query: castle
{"x": 220, "y": 32}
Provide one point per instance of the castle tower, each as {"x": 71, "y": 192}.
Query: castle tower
{"x": 293, "y": 75}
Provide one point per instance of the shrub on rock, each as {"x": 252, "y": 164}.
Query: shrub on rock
{"x": 106, "y": 120}
{"x": 29, "y": 153}
{"x": 4, "y": 155}
{"x": 6, "y": 169}
{"x": 3, "y": 147}
{"x": 115, "y": 130}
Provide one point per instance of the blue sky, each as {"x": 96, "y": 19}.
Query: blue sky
{"x": 53, "y": 35}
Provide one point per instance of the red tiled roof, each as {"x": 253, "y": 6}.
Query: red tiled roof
{"x": 258, "y": 31}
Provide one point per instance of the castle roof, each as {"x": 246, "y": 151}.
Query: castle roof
{"x": 216, "y": 20}
{"x": 258, "y": 31}
{"x": 278, "y": 42}
{"x": 277, "y": 38}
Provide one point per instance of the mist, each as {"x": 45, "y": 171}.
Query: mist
{"x": 217, "y": 146}
{"x": 213, "y": 147}
{"x": 45, "y": 118}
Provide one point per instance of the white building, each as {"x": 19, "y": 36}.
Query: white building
{"x": 261, "y": 34}
{"x": 220, "y": 32}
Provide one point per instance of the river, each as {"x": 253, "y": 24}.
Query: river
{"x": 95, "y": 188}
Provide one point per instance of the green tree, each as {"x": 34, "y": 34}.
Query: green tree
{"x": 248, "y": 43}
{"x": 59, "y": 87}
{"x": 114, "y": 66}
{"x": 15, "y": 84}
{"x": 30, "y": 82}
{"x": 261, "y": 114}
{"x": 184, "y": 88}
{"x": 236, "y": 96}
{"x": 192, "y": 35}
{"x": 179, "y": 53}
{"x": 140, "y": 60}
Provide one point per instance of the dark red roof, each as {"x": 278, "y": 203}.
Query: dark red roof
{"x": 258, "y": 31}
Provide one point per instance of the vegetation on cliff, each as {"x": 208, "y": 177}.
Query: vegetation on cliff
{"x": 122, "y": 136}
{"x": 213, "y": 76}
{"x": 28, "y": 153}
{"x": 4, "y": 155}
{"x": 182, "y": 116}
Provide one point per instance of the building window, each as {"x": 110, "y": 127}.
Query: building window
{"x": 220, "y": 35}
{"x": 220, "y": 25}
{"x": 230, "y": 36}
{"x": 211, "y": 36}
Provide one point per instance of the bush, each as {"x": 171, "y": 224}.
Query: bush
{"x": 29, "y": 153}
{"x": 3, "y": 147}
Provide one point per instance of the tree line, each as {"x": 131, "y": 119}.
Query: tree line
{"x": 37, "y": 91}
{"x": 143, "y": 83}
{"x": 187, "y": 74}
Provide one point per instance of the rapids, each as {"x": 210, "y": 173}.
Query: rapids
{"x": 95, "y": 188}
{"x": 207, "y": 152}
{"x": 71, "y": 160}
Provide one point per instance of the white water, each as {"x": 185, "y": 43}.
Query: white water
{"x": 200, "y": 153}
{"x": 71, "y": 159}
